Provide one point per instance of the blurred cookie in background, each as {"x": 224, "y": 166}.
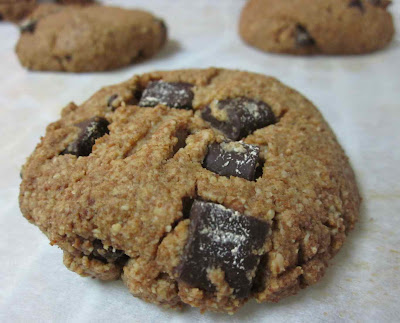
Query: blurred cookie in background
{"x": 74, "y": 1}
{"x": 317, "y": 27}
{"x": 14, "y": 10}
{"x": 89, "y": 38}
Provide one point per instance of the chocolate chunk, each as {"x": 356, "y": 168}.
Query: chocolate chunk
{"x": 303, "y": 38}
{"x": 91, "y": 130}
{"x": 28, "y": 25}
{"x": 259, "y": 169}
{"x": 176, "y": 95}
{"x": 381, "y": 3}
{"x": 238, "y": 117}
{"x": 356, "y": 3}
{"x": 1, "y": 16}
{"x": 105, "y": 255}
{"x": 111, "y": 100}
{"x": 232, "y": 159}
{"x": 187, "y": 203}
{"x": 221, "y": 238}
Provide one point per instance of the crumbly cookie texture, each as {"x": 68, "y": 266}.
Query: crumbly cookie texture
{"x": 128, "y": 189}
{"x": 87, "y": 38}
{"x": 15, "y": 10}
{"x": 311, "y": 27}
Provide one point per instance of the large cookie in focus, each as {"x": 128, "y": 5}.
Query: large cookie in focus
{"x": 205, "y": 187}
{"x": 312, "y": 27}
{"x": 88, "y": 38}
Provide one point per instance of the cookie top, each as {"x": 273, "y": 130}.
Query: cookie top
{"x": 152, "y": 180}
{"x": 323, "y": 26}
{"x": 78, "y": 39}
{"x": 75, "y": 1}
{"x": 15, "y": 10}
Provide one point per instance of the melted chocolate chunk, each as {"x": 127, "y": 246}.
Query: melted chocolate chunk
{"x": 221, "y": 238}
{"x": 91, "y": 130}
{"x": 232, "y": 159}
{"x": 239, "y": 117}
{"x": 356, "y": 3}
{"x": 106, "y": 255}
{"x": 176, "y": 95}
{"x": 303, "y": 38}
{"x": 28, "y": 26}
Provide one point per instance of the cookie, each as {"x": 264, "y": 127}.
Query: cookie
{"x": 15, "y": 10}
{"x": 317, "y": 27}
{"x": 146, "y": 182}
{"x": 75, "y": 1}
{"x": 89, "y": 38}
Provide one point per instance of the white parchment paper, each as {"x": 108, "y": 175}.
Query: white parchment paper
{"x": 358, "y": 95}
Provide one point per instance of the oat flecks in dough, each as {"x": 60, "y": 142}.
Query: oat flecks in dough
{"x": 128, "y": 199}
{"x": 301, "y": 27}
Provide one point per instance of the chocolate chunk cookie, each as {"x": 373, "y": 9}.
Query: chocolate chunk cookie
{"x": 15, "y": 10}
{"x": 141, "y": 182}
{"x": 88, "y": 38}
{"x": 317, "y": 27}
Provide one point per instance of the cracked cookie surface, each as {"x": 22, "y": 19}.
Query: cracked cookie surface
{"x": 143, "y": 200}
{"x": 88, "y": 38}
{"x": 312, "y": 27}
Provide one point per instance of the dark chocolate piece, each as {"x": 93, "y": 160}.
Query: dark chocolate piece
{"x": 303, "y": 38}
{"x": 28, "y": 25}
{"x": 239, "y": 117}
{"x": 357, "y": 3}
{"x": 259, "y": 169}
{"x": 105, "y": 255}
{"x": 381, "y": 3}
{"x": 176, "y": 95}
{"x": 221, "y": 238}
{"x": 187, "y": 203}
{"x": 91, "y": 130}
{"x": 232, "y": 159}
{"x": 111, "y": 100}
